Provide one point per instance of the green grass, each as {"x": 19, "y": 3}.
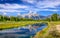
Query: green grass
{"x": 45, "y": 32}
{"x": 6, "y": 25}
{"x": 13, "y": 24}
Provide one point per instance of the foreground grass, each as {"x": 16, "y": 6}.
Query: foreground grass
{"x": 42, "y": 34}
{"x": 6, "y": 25}
{"x": 48, "y": 32}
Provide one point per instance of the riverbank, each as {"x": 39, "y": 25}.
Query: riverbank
{"x": 43, "y": 34}
{"x": 49, "y": 31}
{"x": 7, "y": 25}
{"x": 36, "y": 28}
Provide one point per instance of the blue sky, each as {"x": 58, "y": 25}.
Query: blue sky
{"x": 18, "y": 7}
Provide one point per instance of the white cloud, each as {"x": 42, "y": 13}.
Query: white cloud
{"x": 12, "y": 6}
{"x": 29, "y": 1}
{"x": 18, "y": 14}
{"x": 46, "y": 4}
{"x": 43, "y": 9}
{"x": 4, "y": 10}
{"x": 40, "y": 6}
{"x": 43, "y": 5}
{"x": 4, "y": 13}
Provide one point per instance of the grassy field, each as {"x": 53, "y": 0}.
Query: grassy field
{"x": 6, "y": 25}
{"x": 41, "y": 34}
{"x": 45, "y": 33}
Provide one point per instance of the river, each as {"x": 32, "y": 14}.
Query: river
{"x": 27, "y": 31}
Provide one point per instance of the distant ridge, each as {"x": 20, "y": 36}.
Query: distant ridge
{"x": 34, "y": 15}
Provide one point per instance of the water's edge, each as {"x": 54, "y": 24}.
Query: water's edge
{"x": 21, "y": 32}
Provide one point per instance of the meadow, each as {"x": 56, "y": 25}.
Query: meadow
{"x": 50, "y": 31}
{"x": 13, "y": 24}
{"x": 42, "y": 34}
{"x": 10, "y": 24}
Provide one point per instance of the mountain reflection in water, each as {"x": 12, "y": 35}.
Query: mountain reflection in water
{"x": 23, "y": 32}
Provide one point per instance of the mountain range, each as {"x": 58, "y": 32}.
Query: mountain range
{"x": 34, "y": 15}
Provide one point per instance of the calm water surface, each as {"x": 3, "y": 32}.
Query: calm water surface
{"x": 23, "y": 32}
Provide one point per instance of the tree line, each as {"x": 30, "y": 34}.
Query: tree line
{"x": 12, "y": 18}
{"x": 53, "y": 17}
